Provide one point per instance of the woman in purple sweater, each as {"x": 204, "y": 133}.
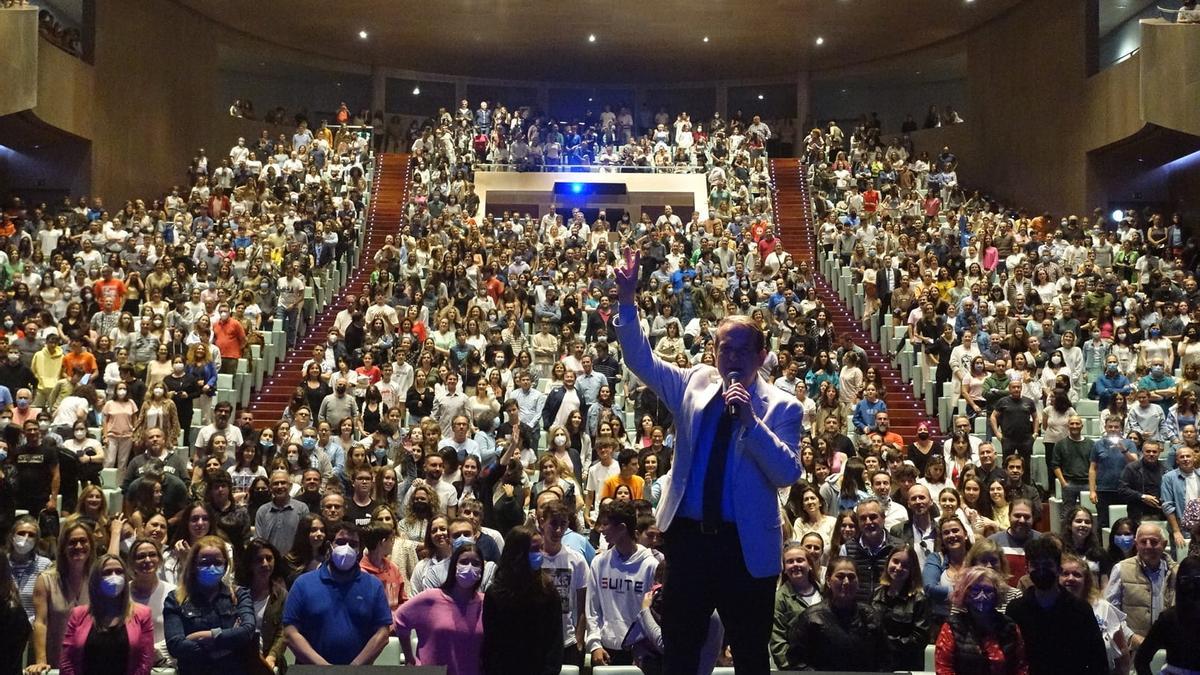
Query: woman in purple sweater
{"x": 448, "y": 619}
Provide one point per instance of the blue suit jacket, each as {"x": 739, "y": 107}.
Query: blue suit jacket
{"x": 765, "y": 457}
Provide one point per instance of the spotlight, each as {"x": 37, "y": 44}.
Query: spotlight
{"x": 592, "y": 37}
{"x": 1118, "y": 215}
{"x": 820, "y": 41}
{"x": 362, "y": 35}
{"x": 760, "y": 97}
{"x": 576, "y": 188}
{"x": 417, "y": 90}
{"x": 706, "y": 38}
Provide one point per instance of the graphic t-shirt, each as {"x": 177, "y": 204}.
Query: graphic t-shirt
{"x": 568, "y": 572}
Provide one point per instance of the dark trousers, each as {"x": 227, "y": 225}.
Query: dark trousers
{"x": 706, "y": 571}
{"x": 1106, "y": 498}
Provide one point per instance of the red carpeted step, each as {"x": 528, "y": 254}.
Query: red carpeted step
{"x": 793, "y": 215}
{"x": 388, "y": 196}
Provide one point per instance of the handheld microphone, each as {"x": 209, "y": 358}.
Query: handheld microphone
{"x": 731, "y": 409}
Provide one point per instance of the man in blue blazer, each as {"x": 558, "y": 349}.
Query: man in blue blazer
{"x": 736, "y": 444}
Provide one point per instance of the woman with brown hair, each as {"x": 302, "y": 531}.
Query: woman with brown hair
{"x": 112, "y": 634}
{"x": 59, "y": 590}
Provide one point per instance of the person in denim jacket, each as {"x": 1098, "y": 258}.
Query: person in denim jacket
{"x": 209, "y": 626}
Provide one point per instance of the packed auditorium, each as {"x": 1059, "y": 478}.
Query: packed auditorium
{"x": 677, "y": 339}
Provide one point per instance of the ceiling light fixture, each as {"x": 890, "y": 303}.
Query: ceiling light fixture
{"x": 362, "y": 35}
{"x": 760, "y": 97}
{"x": 592, "y": 37}
{"x": 706, "y": 38}
{"x": 417, "y": 90}
{"x": 820, "y": 41}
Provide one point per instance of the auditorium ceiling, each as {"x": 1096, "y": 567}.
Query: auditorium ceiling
{"x": 634, "y": 40}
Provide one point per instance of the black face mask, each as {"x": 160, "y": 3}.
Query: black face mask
{"x": 421, "y": 509}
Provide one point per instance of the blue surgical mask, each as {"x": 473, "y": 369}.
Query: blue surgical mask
{"x": 1112, "y": 369}
{"x": 309, "y": 442}
{"x": 462, "y": 540}
{"x": 210, "y": 575}
{"x": 1123, "y": 541}
{"x": 1157, "y": 370}
{"x": 535, "y": 559}
{"x": 1154, "y": 332}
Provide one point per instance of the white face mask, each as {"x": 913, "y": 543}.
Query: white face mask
{"x": 22, "y": 544}
{"x": 159, "y": 391}
{"x": 560, "y": 440}
{"x": 344, "y": 557}
{"x": 80, "y": 434}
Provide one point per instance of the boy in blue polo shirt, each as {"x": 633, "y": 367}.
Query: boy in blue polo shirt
{"x": 338, "y": 614}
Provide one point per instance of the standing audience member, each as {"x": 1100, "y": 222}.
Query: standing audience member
{"x": 263, "y": 575}
{"x": 522, "y": 617}
{"x": 448, "y": 619}
{"x": 620, "y": 576}
{"x": 798, "y": 590}
{"x": 1175, "y": 629}
{"x": 209, "y": 625}
{"x": 977, "y": 638}
{"x": 320, "y": 626}
{"x": 1050, "y": 618}
{"x": 112, "y": 634}
{"x": 1144, "y": 585}
{"x": 58, "y": 591}
{"x": 903, "y": 609}
{"x": 14, "y": 625}
{"x": 841, "y": 633}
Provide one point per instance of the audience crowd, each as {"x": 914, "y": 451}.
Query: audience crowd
{"x": 469, "y": 459}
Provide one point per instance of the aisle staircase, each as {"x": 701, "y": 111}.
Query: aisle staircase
{"x": 793, "y": 214}
{"x": 383, "y": 218}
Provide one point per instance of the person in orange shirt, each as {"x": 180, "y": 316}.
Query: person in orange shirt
{"x": 109, "y": 292}
{"x": 79, "y": 357}
{"x": 230, "y": 338}
{"x": 627, "y": 462}
{"x": 377, "y": 544}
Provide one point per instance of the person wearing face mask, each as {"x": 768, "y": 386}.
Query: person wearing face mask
{"x": 117, "y": 430}
{"x": 209, "y": 625}
{"x": 1159, "y": 384}
{"x": 977, "y": 638}
{"x": 1112, "y": 382}
{"x": 15, "y": 375}
{"x": 319, "y": 626}
{"x": 448, "y": 619}
{"x": 230, "y": 338}
{"x": 112, "y": 634}
{"x": 25, "y": 562}
{"x": 1050, "y": 618}
{"x": 182, "y": 388}
{"x": 157, "y": 411}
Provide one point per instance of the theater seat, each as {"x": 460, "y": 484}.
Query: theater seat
{"x": 617, "y": 670}
{"x": 569, "y": 670}
{"x": 929, "y": 649}
{"x": 391, "y": 655}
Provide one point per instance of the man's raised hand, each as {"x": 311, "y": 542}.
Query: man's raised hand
{"x": 627, "y": 276}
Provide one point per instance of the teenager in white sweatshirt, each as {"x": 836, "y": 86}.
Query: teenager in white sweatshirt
{"x": 619, "y": 579}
